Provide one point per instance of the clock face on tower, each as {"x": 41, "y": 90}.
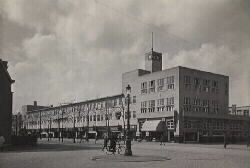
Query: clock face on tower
{"x": 156, "y": 57}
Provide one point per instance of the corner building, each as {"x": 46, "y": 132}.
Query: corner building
{"x": 180, "y": 103}
{"x": 6, "y": 98}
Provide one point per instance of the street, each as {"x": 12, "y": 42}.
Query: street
{"x": 54, "y": 154}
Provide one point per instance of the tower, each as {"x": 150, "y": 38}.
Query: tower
{"x": 153, "y": 60}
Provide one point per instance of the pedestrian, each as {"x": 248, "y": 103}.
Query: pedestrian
{"x": 105, "y": 143}
{"x": 225, "y": 145}
{"x": 162, "y": 140}
{"x": 225, "y": 141}
{"x": 248, "y": 142}
{"x": 113, "y": 144}
{"x": 95, "y": 138}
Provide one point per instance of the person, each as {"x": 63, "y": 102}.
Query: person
{"x": 225, "y": 142}
{"x": 95, "y": 138}
{"x": 162, "y": 140}
{"x": 105, "y": 143}
{"x": 248, "y": 141}
{"x": 113, "y": 144}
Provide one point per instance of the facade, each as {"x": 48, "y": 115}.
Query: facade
{"x": 239, "y": 111}
{"x": 99, "y": 116}
{"x": 5, "y": 101}
{"x": 28, "y": 108}
{"x": 17, "y": 122}
{"x": 180, "y": 103}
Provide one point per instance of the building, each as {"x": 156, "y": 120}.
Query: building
{"x": 17, "y": 123}
{"x": 239, "y": 111}
{"x": 96, "y": 116}
{"x": 181, "y": 103}
{"x": 5, "y": 101}
{"x": 28, "y": 108}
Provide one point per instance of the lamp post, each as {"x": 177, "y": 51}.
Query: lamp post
{"x": 62, "y": 125}
{"x": 40, "y": 126}
{"x": 58, "y": 120}
{"x": 128, "y": 151}
{"x": 74, "y": 125}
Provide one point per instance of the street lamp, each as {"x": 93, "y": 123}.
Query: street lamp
{"x": 40, "y": 126}
{"x": 74, "y": 125}
{"x": 128, "y": 151}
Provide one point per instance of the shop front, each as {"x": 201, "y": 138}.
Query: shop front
{"x": 153, "y": 130}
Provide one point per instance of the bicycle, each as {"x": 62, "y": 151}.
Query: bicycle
{"x": 119, "y": 149}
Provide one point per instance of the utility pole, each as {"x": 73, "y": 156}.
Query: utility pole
{"x": 50, "y": 125}
{"x": 128, "y": 151}
{"x": 62, "y": 125}
{"x": 40, "y": 126}
{"x": 107, "y": 118}
{"x": 16, "y": 124}
{"x": 74, "y": 126}
{"x": 87, "y": 131}
{"x": 58, "y": 120}
{"x": 124, "y": 131}
{"x": 48, "y": 130}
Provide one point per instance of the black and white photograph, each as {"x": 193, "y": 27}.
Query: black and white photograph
{"x": 124, "y": 83}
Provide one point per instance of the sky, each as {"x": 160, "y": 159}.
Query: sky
{"x": 62, "y": 51}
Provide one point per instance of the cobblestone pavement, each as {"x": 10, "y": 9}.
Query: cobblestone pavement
{"x": 53, "y": 154}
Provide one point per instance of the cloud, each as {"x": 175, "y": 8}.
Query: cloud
{"x": 64, "y": 50}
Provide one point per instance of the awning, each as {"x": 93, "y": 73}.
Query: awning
{"x": 153, "y": 125}
{"x": 92, "y": 132}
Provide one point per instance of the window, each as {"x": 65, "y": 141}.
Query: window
{"x": 196, "y": 81}
{"x": 120, "y": 101}
{"x": 187, "y": 100}
{"x": 172, "y": 101}
{"x": 134, "y": 114}
{"x": 187, "y": 124}
{"x": 226, "y": 89}
{"x": 246, "y": 112}
{"x": 98, "y": 117}
{"x": 144, "y": 107}
{"x": 118, "y": 115}
{"x": 160, "y": 105}
{"x": 151, "y": 105}
{"x": 115, "y": 102}
{"x": 143, "y": 87}
{"x": 126, "y": 115}
{"x": 152, "y": 86}
{"x": 187, "y": 82}
{"x": 215, "y": 84}
{"x": 170, "y": 104}
{"x": 160, "y": 83}
{"x": 101, "y": 117}
{"x": 101, "y": 104}
{"x": 110, "y": 116}
{"x": 170, "y": 124}
{"x": 215, "y": 106}
{"x": 206, "y": 82}
{"x": 187, "y": 104}
{"x": 215, "y": 87}
{"x": 170, "y": 82}
{"x": 134, "y": 99}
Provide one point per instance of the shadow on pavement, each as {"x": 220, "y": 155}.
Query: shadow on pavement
{"x": 47, "y": 148}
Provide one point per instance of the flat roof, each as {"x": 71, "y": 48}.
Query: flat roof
{"x": 175, "y": 67}
{"x": 79, "y": 103}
